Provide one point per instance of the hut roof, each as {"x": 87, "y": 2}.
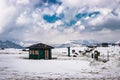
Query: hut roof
{"x": 40, "y": 46}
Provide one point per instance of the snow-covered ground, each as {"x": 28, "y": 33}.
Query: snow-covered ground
{"x": 11, "y": 51}
{"x": 18, "y": 67}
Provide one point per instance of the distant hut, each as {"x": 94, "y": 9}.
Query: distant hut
{"x": 118, "y": 44}
{"x": 104, "y": 44}
{"x": 40, "y": 51}
{"x": 92, "y": 46}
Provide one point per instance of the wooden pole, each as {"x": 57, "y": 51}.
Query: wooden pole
{"x": 68, "y": 51}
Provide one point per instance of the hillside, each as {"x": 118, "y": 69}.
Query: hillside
{"x": 9, "y": 44}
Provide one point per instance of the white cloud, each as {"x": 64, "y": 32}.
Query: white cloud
{"x": 81, "y": 27}
{"x": 24, "y": 21}
{"x": 96, "y": 21}
{"x": 69, "y": 30}
{"x": 6, "y": 15}
{"x": 78, "y": 23}
{"x": 23, "y": 2}
{"x": 80, "y": 3}
{"x": 59, "y": 9}
{"x": 100, "y": 19}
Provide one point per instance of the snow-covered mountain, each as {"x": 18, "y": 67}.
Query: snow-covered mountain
{"x": 9, "y": 44}
{"x": 25, "y": 43}
{"x": 70, "y": 43}
{"x": 118, "y": 42}
{"x": 76, "y": 43}
{"x": 85, "y": 42}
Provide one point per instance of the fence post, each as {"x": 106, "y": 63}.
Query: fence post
{"x": 108, "y": 55}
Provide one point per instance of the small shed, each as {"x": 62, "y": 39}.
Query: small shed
{"x": 104, "y": 44}
{"x": 40, "y": 51}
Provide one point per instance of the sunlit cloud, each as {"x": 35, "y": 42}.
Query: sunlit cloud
{"x": 57, "y": 21}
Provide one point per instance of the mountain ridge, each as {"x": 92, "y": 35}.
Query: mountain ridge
{"x": 9, "y": 44}
{"x": 70, "y": 43}
{"x": 76, "y": 43}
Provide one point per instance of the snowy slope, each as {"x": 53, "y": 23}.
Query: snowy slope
{"x": 12, "y": 51}
{"x": 18, "y": 67}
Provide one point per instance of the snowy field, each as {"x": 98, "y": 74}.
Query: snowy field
{"x": 15, "y": 66}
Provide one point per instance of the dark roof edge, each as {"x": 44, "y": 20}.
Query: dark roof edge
{"x": 43, "y": 46}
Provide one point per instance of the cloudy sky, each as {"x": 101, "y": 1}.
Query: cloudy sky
{"x": 57, "y": 21}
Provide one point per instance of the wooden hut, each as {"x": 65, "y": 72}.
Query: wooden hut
{"x": 104, "y": 44}
{"x": 40, "y": 51}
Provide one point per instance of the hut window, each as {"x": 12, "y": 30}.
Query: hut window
{"x": 36, "y": 52}
{"x": 33, "y": 52}
{"x": 30, "y": 52}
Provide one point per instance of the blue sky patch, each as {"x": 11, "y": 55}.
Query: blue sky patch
{"x": 83, "y": 15}
{"x": 54, "y": 1}
{"x": 80, "y": 16}
{"x": 94, "y": 14}
{"x": 71, "y": 22}
{"x": 53, "y": 18}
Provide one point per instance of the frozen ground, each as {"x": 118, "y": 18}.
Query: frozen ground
{"x": 18, "y": 67}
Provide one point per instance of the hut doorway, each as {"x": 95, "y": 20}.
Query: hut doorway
{"x": 41, "y": 54}
{"x": 46, "y": 54}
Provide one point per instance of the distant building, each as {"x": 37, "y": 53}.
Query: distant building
{"x": 118, "y": 44}
{"x": 113, "y": 44}
{"x": 102, "y": 44}
{"x": 92, "y": 46}
{"x": 40, "y": 51}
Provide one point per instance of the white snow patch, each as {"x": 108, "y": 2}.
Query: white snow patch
{"x": 17, "y": 66}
